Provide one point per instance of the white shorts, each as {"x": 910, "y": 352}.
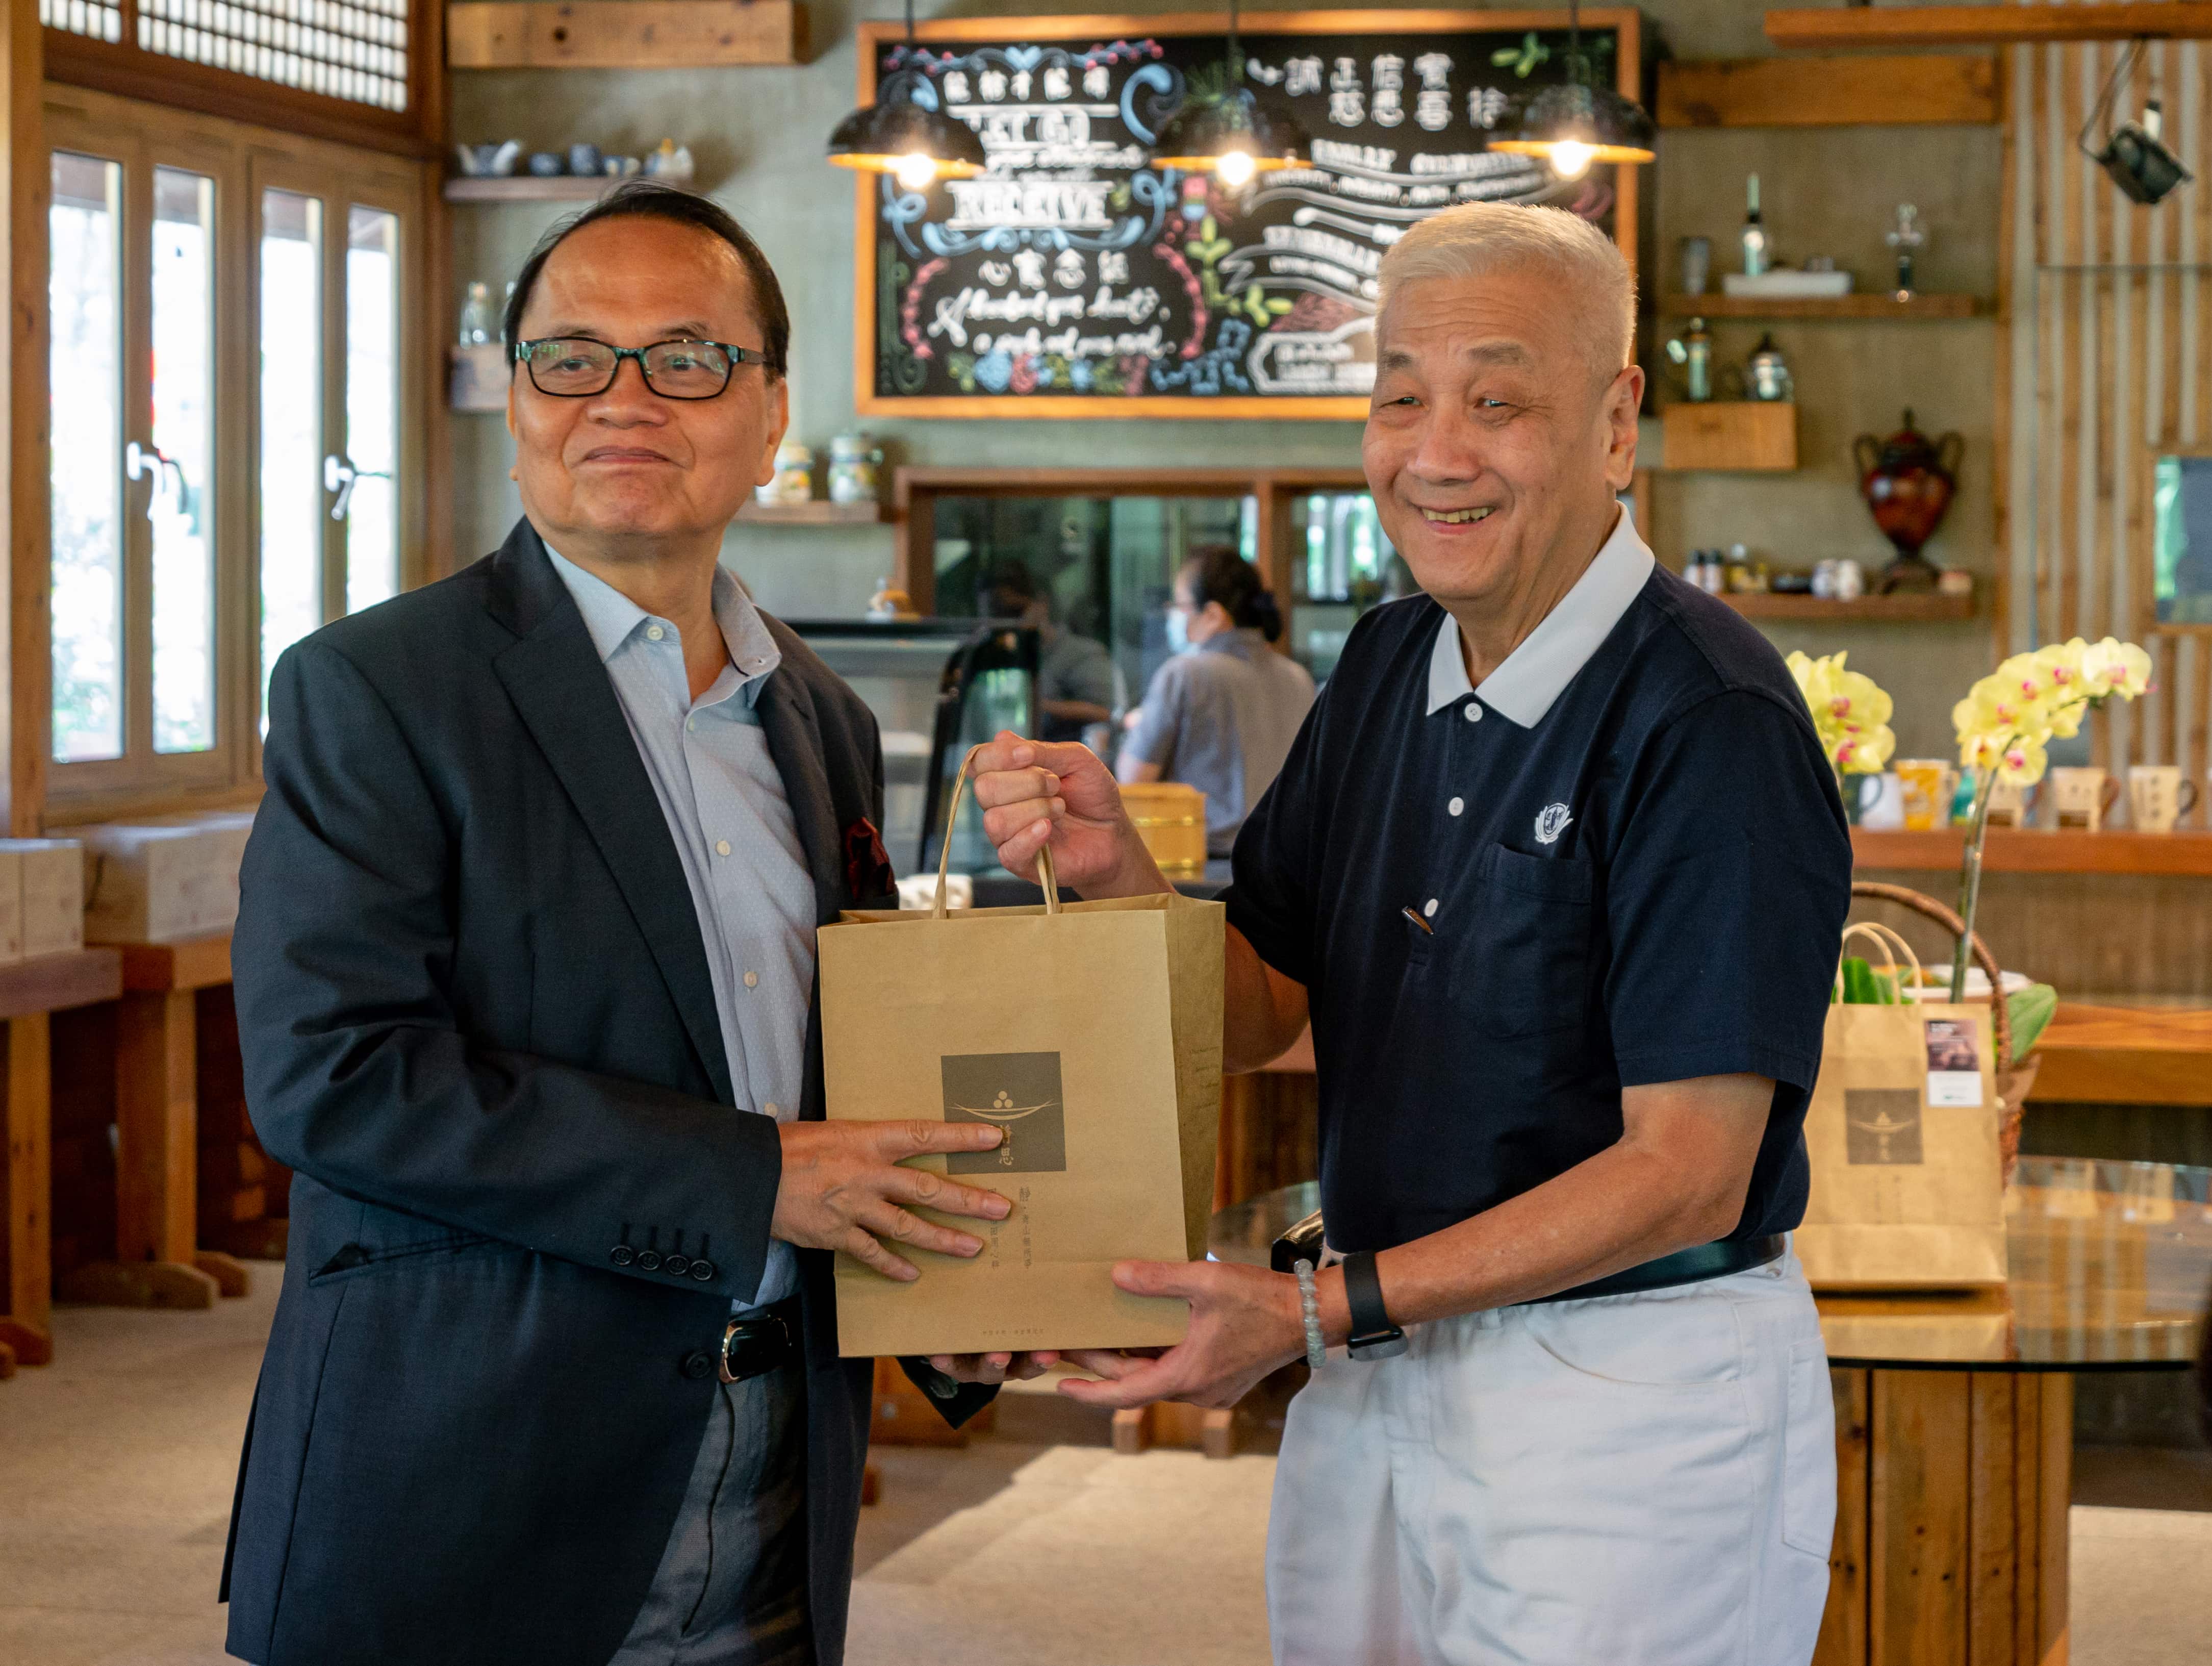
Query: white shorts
{"x": 1632, "y": 1480}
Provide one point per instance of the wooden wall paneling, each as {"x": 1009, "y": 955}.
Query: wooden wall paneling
{"x": 1843, "y": 28}
{"x": 1917, "y": 1516}
{"x": 2028, "y": 1482}
{"x": 23, "y": 454}
{"x": 1843, "y": 1640}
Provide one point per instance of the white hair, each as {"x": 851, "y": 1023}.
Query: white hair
{"x": 1476, "y": 238}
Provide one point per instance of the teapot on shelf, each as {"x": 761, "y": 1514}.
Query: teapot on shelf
{"x": 1908, "y": 481}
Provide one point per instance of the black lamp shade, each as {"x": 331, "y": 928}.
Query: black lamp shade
{"x": 875, "y": 137}
{"x": 1205, "y": 130}
{"x": 1612, "y": 128}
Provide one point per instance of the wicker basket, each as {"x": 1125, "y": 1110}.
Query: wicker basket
{"x": 2012, "y": 1080}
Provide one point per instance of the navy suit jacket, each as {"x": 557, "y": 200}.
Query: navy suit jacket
{"x": 477, "y": 1021}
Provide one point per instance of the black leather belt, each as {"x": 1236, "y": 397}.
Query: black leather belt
{"x": 1693, "y": 1265}
{"x": 760, "y": 1342}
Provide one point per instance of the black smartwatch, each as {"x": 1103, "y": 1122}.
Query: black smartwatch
{"x": 1373, "y": 1337}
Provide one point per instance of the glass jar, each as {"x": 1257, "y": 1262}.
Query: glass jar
{"x": 794, "y": 475}
{"x": 853, "y": 459}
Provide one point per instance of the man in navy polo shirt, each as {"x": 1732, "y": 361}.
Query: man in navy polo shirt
{"x": 1556, "y": 868}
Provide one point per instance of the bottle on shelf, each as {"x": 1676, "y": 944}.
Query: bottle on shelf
{"x": 1757, "y": 255}
{"x": 475, "y": 316}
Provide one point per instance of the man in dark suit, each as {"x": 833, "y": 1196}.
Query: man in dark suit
{"x": 523, "y": 965}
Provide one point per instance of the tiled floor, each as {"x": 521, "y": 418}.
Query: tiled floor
{"x": 1027, "y": 1549}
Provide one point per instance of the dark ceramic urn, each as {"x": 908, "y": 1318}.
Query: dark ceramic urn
{"x": 1907, "y": 481}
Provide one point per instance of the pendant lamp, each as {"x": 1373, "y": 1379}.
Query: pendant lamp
{"x": 1580, "y": 122}
{"x": 1232, "y": 134}
{"x": 905, "y": 133}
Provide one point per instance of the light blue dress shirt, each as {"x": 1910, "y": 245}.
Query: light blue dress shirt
{"x": 724, "y": 800}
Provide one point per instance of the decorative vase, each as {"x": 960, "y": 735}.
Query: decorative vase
{"x": 1907, "y": 481}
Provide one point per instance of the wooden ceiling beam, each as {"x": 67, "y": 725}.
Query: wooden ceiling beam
{"x": 1935, "y": 87}
{"x": 1834, "y": 28}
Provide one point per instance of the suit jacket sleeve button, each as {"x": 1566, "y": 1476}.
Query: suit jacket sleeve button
{"x": 677, "y": 1266}
{"x": 698, "y": 1365}
{"x": 648, "y": 1260}
{"x": 622, "y": 1255}
{"x": 702, "y": 1270}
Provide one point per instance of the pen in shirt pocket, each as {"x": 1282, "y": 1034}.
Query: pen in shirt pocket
{"x": 1414, "y": 914}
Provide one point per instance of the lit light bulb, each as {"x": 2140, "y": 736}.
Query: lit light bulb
{"x": 1235, "y": 166}
{"x": 915, "y": 170}
{"x": 1570, "y": 160}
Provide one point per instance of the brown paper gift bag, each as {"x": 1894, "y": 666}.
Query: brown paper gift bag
{"x": 1908, "y": 1186}
{"x": 1090, "y": 1033}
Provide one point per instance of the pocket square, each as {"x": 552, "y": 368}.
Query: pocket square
{"x": 868, "y": 864}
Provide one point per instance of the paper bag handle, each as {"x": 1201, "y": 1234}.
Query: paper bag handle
{"x": 1046, "y": 877}
{"x": 1889, "y": 942}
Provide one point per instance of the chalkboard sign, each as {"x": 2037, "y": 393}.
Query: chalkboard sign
{"x": 1073, "y": 279}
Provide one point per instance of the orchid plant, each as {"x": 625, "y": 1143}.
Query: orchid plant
{"x": 2005, "y": 725}
{"x": 1850, "y": 713}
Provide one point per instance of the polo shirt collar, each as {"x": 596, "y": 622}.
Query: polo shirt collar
{"x": 613, "y": 618}
{"x": 1538, "y": 672}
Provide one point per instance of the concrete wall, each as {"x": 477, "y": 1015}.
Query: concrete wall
{"x": 758, "y": 135}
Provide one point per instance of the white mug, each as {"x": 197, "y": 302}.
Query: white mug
{"x": 2158, "y": 797}
{"x": 2083, "y": 795}
{"x": 2009, "y": 804}
{"x": 1883, "y": 809}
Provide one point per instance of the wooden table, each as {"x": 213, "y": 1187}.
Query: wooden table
{"x": 159, "y": 1262}
{"x": 1955, "y": 1413}
{"x": 29, "y": 991}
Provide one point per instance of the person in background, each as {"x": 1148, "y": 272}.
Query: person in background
{"x": 1220, "y": 715}
{"x": 1075, "y": 675}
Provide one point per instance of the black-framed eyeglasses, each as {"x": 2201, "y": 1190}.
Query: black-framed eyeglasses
{"x": 578, "y": 367}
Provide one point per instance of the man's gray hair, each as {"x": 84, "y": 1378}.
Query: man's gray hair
{"x": 1477, "y": 238}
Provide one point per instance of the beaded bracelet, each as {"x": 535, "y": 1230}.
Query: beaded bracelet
{"x": 1310, "y": 1306}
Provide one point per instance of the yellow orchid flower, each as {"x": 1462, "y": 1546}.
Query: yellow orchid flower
{"x": 1850, "y": 713}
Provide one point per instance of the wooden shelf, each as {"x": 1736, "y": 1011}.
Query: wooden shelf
{"x": 527, "y": 188}
{"x": 2119, "y": 1054}
{"x": 1878, "y": 304}
{"x": 1920, "y": 607}
{"x": 622, "y": 35}
{"x": 816, "y": 512}
{"x": 1935, "y": 90}
{"x": 164, "y": 968}
{"x": 1831, "y": 28}
{"x": 2186, "y": 853}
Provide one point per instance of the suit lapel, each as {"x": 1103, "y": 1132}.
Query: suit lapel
{"x": 554, "y": 676}
{"x": 795, "y": 741}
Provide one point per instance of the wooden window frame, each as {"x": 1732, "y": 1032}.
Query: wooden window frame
{"x": 244, "y": 161}
{"x": 126, "y": 70}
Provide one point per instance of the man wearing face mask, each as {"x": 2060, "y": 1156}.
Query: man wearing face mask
{"x": 1221, "y": 715}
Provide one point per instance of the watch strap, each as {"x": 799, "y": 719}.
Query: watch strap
{"x": 1362, "y": 1294}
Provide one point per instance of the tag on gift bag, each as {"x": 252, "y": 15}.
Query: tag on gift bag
{"x": 1908, "y": 1178}
{"x": 1089, "y": 1032}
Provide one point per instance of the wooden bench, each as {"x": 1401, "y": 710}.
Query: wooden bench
{"x": 158, "y": 1261}
{"x": 30, "y": 992}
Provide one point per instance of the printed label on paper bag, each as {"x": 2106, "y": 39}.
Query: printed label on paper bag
{"x": 1883, "y": 1125}
{"x": 1955, "y": 1068}
{"x": 1020, "y": 1094}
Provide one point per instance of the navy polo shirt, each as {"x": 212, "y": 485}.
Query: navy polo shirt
{"x": 1632, "y": 864}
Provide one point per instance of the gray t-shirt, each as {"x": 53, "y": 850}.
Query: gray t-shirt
{"x": 1221, "y": 718}
{"x": 1072, "y": 667}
